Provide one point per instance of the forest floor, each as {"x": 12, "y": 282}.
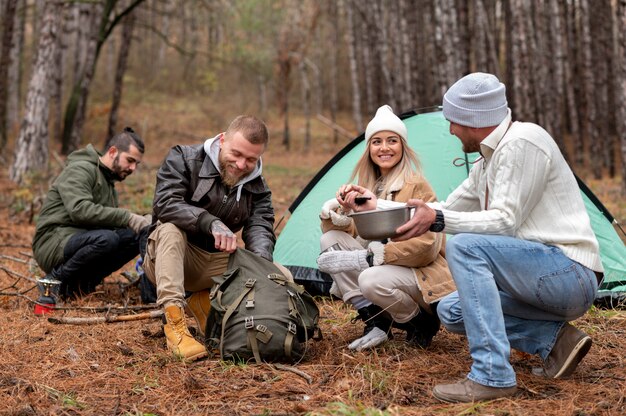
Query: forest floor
{"x": 125, "y": 369}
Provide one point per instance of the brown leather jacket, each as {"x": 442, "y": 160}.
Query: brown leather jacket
{"x": 189, "y": 193}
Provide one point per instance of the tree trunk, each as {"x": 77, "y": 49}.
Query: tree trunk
{"x": 306, "y": 104}
{"x": 558, "y": 51}
{"x": 83, "y": 24}
{"x": 334, "y": 65}
{"x": 354, "y": 75}
{"x": 168, "y": 10}
{"x": 464, "y": 36}
{"x": 122, "y": 63}
{"x": 77, "y": 103}
{"x": 601, "y": 24}
{"x": 58, "y": 74}
{"x": 262, "y": 84}
{"x": 31, "y": 151}
{"x": 479, "y": 40}
{"x": 520, "y": 59}
{"x": 621, "y": 86}
{"x": 8, "y": 21}
{"x": 588, "y": 76}
{"x": 405, "y": 55}
{"x": 446, "y": 41}
{"x": 14, "y": 88}
{"x": 362, "y": 36}
{"x": 542, "y": 102}
{"x": 576, "y": 67}
{"x": 37, "y": 12}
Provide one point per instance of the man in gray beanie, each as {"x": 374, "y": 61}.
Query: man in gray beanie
{"x": 524, "y": 257}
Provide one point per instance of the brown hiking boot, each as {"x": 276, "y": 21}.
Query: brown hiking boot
{"x": 570, "y": 348}
{"x": 179, "y": 340}
{"x": 469, "y": 391}
{"x": 199, "y": 306}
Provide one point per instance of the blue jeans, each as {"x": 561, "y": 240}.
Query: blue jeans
{"x": 511, "y": 293}
{"x": 90, "y": 256}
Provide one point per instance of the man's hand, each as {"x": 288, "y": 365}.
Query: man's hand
{"x": 356, "y": 198}
{"x": 138, "y": 222}
{"x": 422, "y": 219}
{"x": 225, "y": 239}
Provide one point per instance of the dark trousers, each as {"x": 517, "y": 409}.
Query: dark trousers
{"x": 90, "y": 256}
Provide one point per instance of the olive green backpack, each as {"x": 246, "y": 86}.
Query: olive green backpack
{"x": 258, "y": 312}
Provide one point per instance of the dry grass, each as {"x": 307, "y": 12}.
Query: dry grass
{"x": 124, "y": 368}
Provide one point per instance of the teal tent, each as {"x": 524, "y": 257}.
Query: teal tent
{"x": 445, "y": 166}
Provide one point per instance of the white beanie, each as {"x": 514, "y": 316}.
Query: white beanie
{"x": 476, "y": 100}
{"x": 385, "y": 119}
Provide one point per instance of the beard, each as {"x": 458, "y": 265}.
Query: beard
{"x": 119, "y": 173}
{"x": 229, "y": 178}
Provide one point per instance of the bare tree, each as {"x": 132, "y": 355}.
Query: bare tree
{"x": 520, "y": 59}
{"x": 293, "y": 41}
{"x": 333, "y": 41}
{"x": 588, "y": 74}
{"x": 77, "y": 103}
{"x": 621, "y": 86}
{"x": 31, "y": 151}
{"x": 122, "y": 64}
{"x": 346, "y": 6}
{"x": 446, "y": 39}
{"x": 14, "y": 88}
{"x": 603, "y": 145}
{"x": 8, "y": 20}
{"x": 558, "y": 53}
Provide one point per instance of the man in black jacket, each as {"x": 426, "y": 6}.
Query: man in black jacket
{"x": 204, "y": 195}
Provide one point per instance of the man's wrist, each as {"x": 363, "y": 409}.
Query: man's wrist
{"x": 439, "y": 224}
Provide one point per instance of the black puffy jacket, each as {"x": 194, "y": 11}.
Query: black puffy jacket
{"x": 190, "y": 194}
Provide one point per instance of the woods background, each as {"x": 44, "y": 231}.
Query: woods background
{"x": 563, "y": 62}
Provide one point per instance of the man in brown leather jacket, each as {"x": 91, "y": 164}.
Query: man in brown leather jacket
{"x": 204, "y": 195}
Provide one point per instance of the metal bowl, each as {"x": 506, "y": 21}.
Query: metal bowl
{"x": 380, "y": 224}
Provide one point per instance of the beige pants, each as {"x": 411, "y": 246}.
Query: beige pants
{"x": 393, "y": 288}
{"x": 175, "y": 266}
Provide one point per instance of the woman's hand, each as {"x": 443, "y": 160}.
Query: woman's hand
{"x": 356, "y": 198}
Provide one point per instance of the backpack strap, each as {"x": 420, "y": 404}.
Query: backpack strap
{"x": 249, "y": 286}
{"x": 289, "y": 337}
{"x": 254, "y": 345}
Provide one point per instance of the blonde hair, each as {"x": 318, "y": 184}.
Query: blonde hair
{"x": 370, "y": 177}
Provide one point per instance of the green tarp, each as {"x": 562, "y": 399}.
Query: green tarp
{"x": 445, "y": 166}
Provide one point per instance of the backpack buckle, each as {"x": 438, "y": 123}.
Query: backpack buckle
{"x": 250, "y": 282}
{"x": 249, "y": 323}
{"x": 261, "y": 328}
{"x": 277, "y": 278}
{"x": 291, "y": 327}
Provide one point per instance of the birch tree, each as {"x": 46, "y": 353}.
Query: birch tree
{"x": 77, "y": 103}
{"x": 31, "y": 151}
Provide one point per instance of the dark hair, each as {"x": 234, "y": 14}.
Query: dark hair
{"x": 252, "y": 128}
{"x": 124, "y": 140}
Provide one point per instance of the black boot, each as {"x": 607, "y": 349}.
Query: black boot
{"x": 374, "y": 317}
{"x": 421, "y": 329}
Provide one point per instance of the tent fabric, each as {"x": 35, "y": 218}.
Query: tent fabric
{"x": 445, "y": 166}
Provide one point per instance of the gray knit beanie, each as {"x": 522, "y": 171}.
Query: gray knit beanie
{"x": 476, "y": 100}
{"x": 385, "y": 120}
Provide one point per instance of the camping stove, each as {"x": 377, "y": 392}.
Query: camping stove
{"x": 47, "y": 300}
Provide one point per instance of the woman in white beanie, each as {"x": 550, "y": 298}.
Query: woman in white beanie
{"x": 387, "y": 282}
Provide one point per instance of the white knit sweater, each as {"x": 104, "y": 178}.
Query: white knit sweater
{"x": 532, "y": 194}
